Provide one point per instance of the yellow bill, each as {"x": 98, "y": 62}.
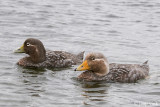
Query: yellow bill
{"x": 84, "y": 66}
{"x": 20, "y": 50}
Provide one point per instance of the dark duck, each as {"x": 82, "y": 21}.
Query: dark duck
{"x": 97, "y": 68}
{"x": 40, "y": 58}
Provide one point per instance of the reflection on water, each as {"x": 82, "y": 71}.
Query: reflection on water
{"x": 33, "y": 81}
{"x": 95, "y": 92}
{"x": 124, "y": 31}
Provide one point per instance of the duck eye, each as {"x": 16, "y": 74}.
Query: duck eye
{"x": 92, "y": 58}
{"x": 28, "y": 44}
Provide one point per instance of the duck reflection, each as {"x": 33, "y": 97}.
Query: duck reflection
{"x": 94, "y": 92}
{"x": 33, "y": 81}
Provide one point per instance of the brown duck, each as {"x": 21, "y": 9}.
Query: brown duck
{"x": 98, "y": 69}
{"x": 40, "y": 58}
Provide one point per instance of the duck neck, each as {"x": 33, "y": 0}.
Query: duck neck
{"x": 38, "y": 56}
{"x": 103, "y": 70}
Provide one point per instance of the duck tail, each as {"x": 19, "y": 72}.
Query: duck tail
{"x": 145, "y": 63}
{"x": 81, "y": 55}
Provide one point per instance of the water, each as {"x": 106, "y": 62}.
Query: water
{"x": 123, "y": 30}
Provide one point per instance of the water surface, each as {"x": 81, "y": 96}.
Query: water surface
{"x": 124, "y": 31}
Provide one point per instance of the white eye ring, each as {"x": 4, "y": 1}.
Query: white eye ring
{"x": 93, "y": 58}
{"x": 28, "y": 44}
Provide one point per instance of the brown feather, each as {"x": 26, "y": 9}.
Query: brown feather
{"x": 39, "y": 57}
{"x": 129, "y": 73}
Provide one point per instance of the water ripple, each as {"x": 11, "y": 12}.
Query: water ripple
{"x": 125, "y": 31}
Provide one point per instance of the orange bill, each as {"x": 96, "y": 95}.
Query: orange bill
{"x": 84, "y": 66}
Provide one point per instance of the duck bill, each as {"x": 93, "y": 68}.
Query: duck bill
{"x": 20, "y": 50}
{"x": 84, "y": 66}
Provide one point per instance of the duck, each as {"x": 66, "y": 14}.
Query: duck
{"x": 97, "y": 68}
{"x": 39, "y": 57}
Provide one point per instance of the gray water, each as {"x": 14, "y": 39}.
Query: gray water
{"x": 125, "y": 31}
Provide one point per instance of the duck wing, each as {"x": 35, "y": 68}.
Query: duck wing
{"x": 127, "y": 72}
{"x": 58, "y": 59}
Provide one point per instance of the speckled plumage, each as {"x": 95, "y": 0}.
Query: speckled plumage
{"x": 53, "y": 59}
{"x": 125, "y": 73}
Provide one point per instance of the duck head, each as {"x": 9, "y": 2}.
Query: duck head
{"x": 95, "y": 62}
{"x": 34, "y": 48}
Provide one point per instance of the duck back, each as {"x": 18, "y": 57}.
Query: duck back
{"x": 127, "y": 72}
